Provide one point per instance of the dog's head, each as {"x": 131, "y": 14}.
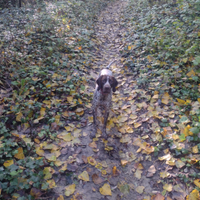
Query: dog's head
{"x": 106, "y": 83}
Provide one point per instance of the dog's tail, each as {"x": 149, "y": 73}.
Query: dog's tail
{"x": 111, "y": 64}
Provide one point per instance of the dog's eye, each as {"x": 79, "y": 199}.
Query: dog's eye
{"x": 104, "y": 80}
{"x": 110, "y": 81}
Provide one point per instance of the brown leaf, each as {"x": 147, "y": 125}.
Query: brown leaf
{"x": 35, "y": 192}
{"x": 159, "y": 197}
{"x": 115, "y": 171}
{"x": 84, "y": 158}
{"x": 96, "y": 179}
{"x": 151, "y": 171}
{"x": 93, "y": 145}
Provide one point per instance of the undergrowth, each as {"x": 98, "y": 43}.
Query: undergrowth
{"x": 163, "y": 40}
{"x": 45, "y": 52}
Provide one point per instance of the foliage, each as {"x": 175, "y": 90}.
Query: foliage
{"x": 163, "y": 53}
{"x": 45, "y": 52}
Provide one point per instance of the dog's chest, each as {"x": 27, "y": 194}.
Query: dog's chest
{"x": 102, "y": 100}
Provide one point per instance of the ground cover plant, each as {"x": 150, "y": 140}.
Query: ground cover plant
{"x": 50, "y": 54}
{"x": 163, "y": 52}
{"x": 44, "y": 53}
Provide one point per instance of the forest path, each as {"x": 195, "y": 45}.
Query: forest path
{"x": 112, "y": 169}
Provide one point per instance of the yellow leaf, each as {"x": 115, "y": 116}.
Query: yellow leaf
{"x": 48, "y": 103}
{"x": 70, "y": 99}
{"x": 42, "y": 112}
{"x": 197, "y": 182}
{"x": 105, "y": 190}
{"x": 51, "y": 183}
{"x": 129, "y": 47}
{"x": 77, "y": 132}
{"x": 181, "y": 101}
{"x": 195, "y": 149}
{"x": 50, "y": 157}
{"x": 80, "y": 101}
{"x": 20, "y": 154}
{"x": 191, "y": 73}
{"x": 165, "y": 98}
{"x": 47, "y": 172}
{"x": 164, "y": 174}
{"x": 136, "y": 125}
{"x": 103, "y": 172}
{"x": 65, "y": 136}
{"x": 79, "y": 111}
{"x": 179, "y": 163}
{"x": 138, "y": 174}
{"x": 57, "y": 119}
{"x": 194, "y": 195}
{"x": 84, "y": 176}
{"x": 168, "y": 187}
{"x": 91, "y": 160}
{"x": 19, "y": 117}
{"x": 60, "y": 198}
{"x": 63, "y": 168}
{"x": 140, "y": 189}
{"x": 90, "y": 119}
{"x": 39, "y": 151}
{"x": 7, "y": 163}
{"x": 69, "y": 190}
{"x": 124, "y": 162}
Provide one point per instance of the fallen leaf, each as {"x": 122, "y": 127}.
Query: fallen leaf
{"x": 20, "y": 154}
{"x": 197, "y": 182}
{"x": 65, "y": 136}
{"x": 194, "y": 195}
{"x": 93, "y": 145}
{"x": 60, "y": 197}
{"x": 96, "y": 179}
{"x": 51, "y": 183}
{"x": 47, "y": 171}
{"x": 69, "y": 190}
{"x": 124, "y": 188}
{"x": 105, "y": 190}
{"x": 164, "y": 174}
{"x": 91, "y": 160}
{"x": 140, "y": 189}
{"x": 138, "y": 174}
{"x": 19, "y": 117}
{"x": 115, "y": 171}
{"x": 7, "y": 163}
{"x": 167, "y": 187}
{"x": 35, "y": 192}
{"x": 124, "y": 162}
{"x": 195, "y": 149}
{"x": 165, "y": 98}
{"x": 179, "y": 163}
{"x": 159, "y": 197}
{"x": 84, "y": 176}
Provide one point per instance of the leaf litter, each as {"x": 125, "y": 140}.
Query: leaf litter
{"x": 152, "y": 121}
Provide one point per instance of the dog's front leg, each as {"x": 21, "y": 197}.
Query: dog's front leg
{"x": 106, "y": 114}
{"x": 94, "y": 112}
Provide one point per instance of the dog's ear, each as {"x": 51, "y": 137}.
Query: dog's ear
{"x": 114, "y": 84}
{"x": 99, "y": 83}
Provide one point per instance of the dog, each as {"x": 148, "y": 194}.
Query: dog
{"x": 105, "y": 85}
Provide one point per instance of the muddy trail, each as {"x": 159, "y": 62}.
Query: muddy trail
{"x": 113, "y": 166}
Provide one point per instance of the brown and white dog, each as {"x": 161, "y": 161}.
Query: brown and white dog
{"x": 105, "y": 85}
